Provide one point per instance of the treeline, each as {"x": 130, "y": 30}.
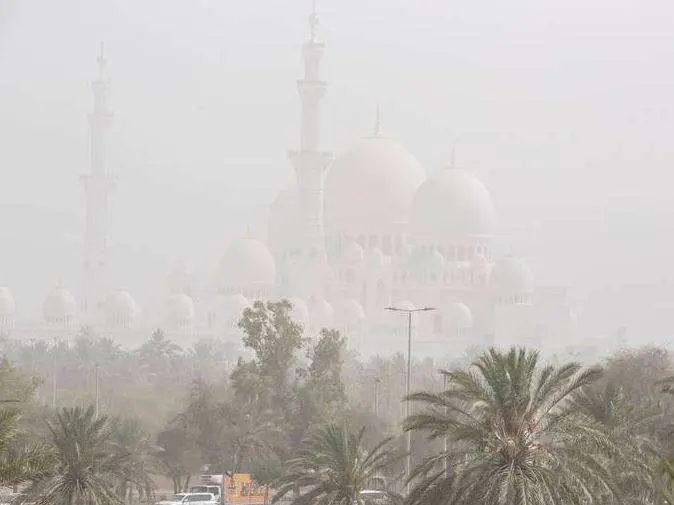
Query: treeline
{"x": 492, "y": 427}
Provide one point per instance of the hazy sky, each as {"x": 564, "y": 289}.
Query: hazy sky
{"x": 564, "y": 108}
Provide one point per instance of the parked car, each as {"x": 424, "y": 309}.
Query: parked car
{"x": 190, "y": 499}
{"x": 373, "y": 497}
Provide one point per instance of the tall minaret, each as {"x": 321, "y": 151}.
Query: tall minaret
{"x": 98, "y": 185}
{"x": 310, "y": 162}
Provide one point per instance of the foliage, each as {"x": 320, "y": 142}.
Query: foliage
{"x": 516, "y": 436}
{"x": 334, "y": 466}
{"x": 274, "y": 339}
{"x": 84, "y": 469}
{"x": 132, "y": 446}
{"x": 199, "y": 405}
{"x": 19, "y": 463}
{"x": 632, "y": 463}
{"x": 178, "y": 456}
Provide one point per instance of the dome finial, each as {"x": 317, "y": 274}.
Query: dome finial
{"x": 451, "y": 161}
{"x": 248, "y": 233}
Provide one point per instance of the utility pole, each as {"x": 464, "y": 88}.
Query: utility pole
{"x": 97, "y": 390}
{"x": 408, "y": 380}
{"x": 377, "y": 382}
{"x": 53, "y": 377}
{"x": 444, "y": 459}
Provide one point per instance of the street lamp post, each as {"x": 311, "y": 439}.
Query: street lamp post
{"x": 377, "y": 382}
{"x": 408, "y": 380}
{"x": 444, "y": 388}
{"x": 97, "y": 391}
{"x": 53, "y": 375}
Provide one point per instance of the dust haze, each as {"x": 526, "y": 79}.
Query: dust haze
{"x": 224, "y": 224}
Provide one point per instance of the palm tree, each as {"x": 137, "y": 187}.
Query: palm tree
{"x": 333, "y": 467}
{"x": 134, "y": 447}
{"x": 514, "y": 436}
{"x": 632, "y": 466}
{"x": 19, "y": 463}
{"x": 85, "y": 468}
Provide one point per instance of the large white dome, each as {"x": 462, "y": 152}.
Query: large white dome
{"x": 247, "y": 267}
{"x": 7, "y": 304}
{"x": 178, "y": 310}
{"x": 59, "y": 306}
{"x": 120, "y": 309}
{"x": 452, "y": 203}
{"x": 511, "y": 276}
{"x": 369, "y": 189}
{"x": 283, "y": 232}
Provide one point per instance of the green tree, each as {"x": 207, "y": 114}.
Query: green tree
{"x": 334, "y": 466}
{"x": 635, "y": 456}
{"x": 229, "y": 432}
{"x": 515, "y": 436}
{"x": 320, "y": 396}
{"x": 158, "y": 354}
{"x": 205, "y": 424}
{"x": 178, "y": 455}
{"x": 133, "y": 447}
{"x": 266, "y": 472}
{"x": 19, "y": 462}
{"x": 84, "y": 469}
{"x": 22, "y": 458}
{"x": 275, "y": 339}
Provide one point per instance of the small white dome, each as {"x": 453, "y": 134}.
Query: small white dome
{"x": 227, "y": 310}
{"x": 453, "y": 203}
{"x": 480, "y": 264}
{"x": 120, "y": 309}
{"x": 179, "y": 278}
{"x": 354, "y": 253}
{"x": 179, "y": 310}
{"x": 436, "y": 261}
{"x": 7, "y": 304}
{"x": 349, "y": 312}
{"x": 511, "y": 276}
{"x": 570, "y": 322}
{"x": 375, "y": 258}
{"x": 567, "y": 323}
{"x": 300, "y": 311}
{"x": 59, "y": 306}
{"x": 236, "y": 305}
{"x": 322, "y": 313}
{"x": 459, "y": 316}
{"x": 247, "y": 267}
{"x": 369, "y": 189}
{"x": 283, "y": 224}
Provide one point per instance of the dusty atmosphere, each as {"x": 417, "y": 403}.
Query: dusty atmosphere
{"x": 336, "y": 253}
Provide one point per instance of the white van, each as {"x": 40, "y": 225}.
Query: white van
{"x": 190, "y": 499}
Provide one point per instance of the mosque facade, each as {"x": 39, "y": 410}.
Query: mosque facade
{"x": 356, "y": 233}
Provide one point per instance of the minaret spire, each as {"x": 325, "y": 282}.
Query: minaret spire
{"x": 98, "y": 185}
{"x": 310, "y": 162}
{"x": 313, "y": 21}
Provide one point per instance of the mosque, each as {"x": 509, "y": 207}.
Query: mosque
{"x": 357, "y": 233}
